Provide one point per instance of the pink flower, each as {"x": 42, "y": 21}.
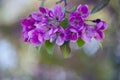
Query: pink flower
{"x": 57, "y": 14}
{"x": 76, "y": 21}
{"x": 36, "y": 37}
{"x": 46, "y": 25}
{"x": 87, "y": 33}
{"x": 71, "y": 34}
{"x": 99, "y": 30}
{"x": 58, "y": 35}
{"x": 83, "y": 11}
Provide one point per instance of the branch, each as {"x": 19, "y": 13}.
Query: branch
{"x": 42, "y": 3}
{"x": 65, "y": 2}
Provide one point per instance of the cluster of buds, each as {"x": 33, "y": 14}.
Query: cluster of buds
{"x": 55, "y": 26}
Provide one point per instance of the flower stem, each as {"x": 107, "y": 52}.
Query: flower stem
{"x": 65, "y": 2}
{"x": 42, "y": 3}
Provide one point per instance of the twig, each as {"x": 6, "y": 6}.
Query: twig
{"x": 65, "y": 2}
{"x": 42, "y": 3}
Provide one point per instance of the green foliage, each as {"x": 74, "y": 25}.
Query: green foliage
{"x": 65, "y": 49}
{"x": 71, "y": 10}
{"x": 38, "y": 48}
{"x": 64, "y": 23}
{"x": 49, "y": 47}
{"x": 101, "y": 4}
{"x": 101, "y": 46}
{"x": 80, "y": 42}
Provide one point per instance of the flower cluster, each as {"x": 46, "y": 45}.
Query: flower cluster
{"x": 46, "y": 25}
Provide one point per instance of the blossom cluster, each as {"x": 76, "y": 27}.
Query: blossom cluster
{"x": 46, "y": 25}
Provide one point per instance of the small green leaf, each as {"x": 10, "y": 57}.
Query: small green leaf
{"x": 49, "y": 47}
{"x": 101, "y": 46}
{"x": 64, "y": 23}
{"x": 65, "y": 48}
{"x": 80, "y": 42}
{"x": 101, "y": 4}
{"x": 71, "y": 10}
{"x": 38, "y": 48}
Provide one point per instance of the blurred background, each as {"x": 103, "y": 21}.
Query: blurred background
{"x": 21, "y": 61}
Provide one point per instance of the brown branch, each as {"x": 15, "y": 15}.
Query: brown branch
{"x": 65, "y": 2}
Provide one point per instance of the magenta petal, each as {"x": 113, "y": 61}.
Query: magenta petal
{"x": 74, "y": 37}
{"x": 40, "y": 25}
{"x": 71, "y": 34}
{"x": 105, "y": 26}
{"x": 71, "y": 20}
{"x": 35, "y": 41}
{"x": 84, "y": 9}
{"x": 50, "y": 31}
{"x": 25, "y": 36}
{"x": 76, "y": 21}
{"x": 74, "y": 14}
{"x": 52, "y": 38}
{"x": 58, "y": 35}
{"x": 87, "y": 33}
{"x": 31, "y": 33}
{"x": 57, "y": 14}
{"x": 42, "y": 10}
{"x": 36, "y": 36}
{"x": 59, "y": 41}
{"x": 37, "y": 16}
{"x": 90, "y": 31}
{"x": 50, "y": 13}
{"x": 99, "y": 35}
{"x": 41, "y": 38}
{"x": 101, "y": 25}
{"x": 73, "y": 30}
{"x": 57, "y": 10}
{"x": 86, "y": 38}
{"x": 46, "y": 36}
{"x": 79, "y": 8}
{"x": 28, "y": 24}
{"x": 25, "y": 22}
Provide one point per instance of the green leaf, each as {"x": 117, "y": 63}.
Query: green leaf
{"x": 38, "y": 48}
{"x": 71, "y": 10}
{"x": 80, "y": 42}
{"x": 64, "y": 23}
{"x": 65, "y": 48}
{"x": 101, "y": 4}
{"x": 100, "y": 44}
{"x": 49, "y": 47}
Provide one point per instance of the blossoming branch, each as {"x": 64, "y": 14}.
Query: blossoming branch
{"x": 53, "y": 26}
